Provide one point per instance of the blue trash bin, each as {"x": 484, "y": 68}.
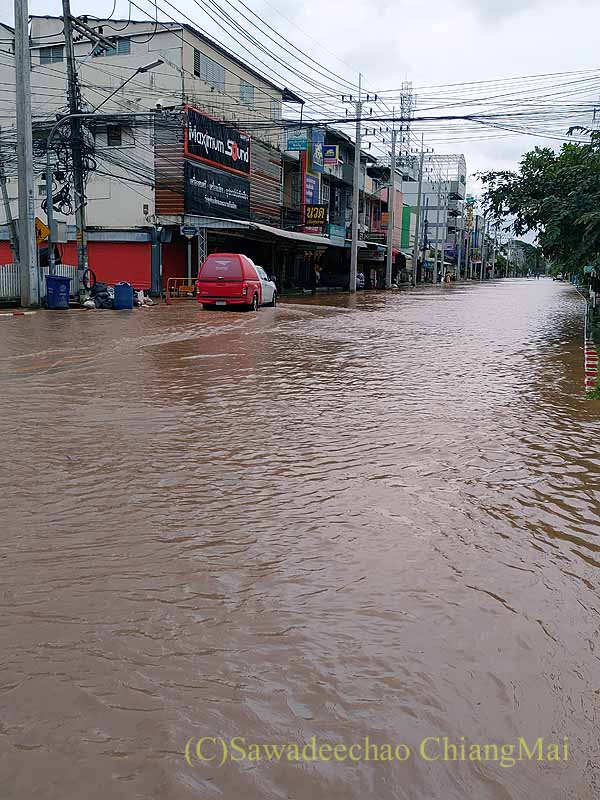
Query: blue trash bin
{"x": 57, "y": 292}
{"x": 123, "y": 296}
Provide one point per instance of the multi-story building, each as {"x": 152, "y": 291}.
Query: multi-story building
{"x": 185, "y": 142}
{"x": 442, "y": 204}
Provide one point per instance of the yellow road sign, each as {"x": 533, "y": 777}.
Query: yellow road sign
{"x": 41, "y": 231}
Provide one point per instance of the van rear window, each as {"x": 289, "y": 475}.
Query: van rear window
{"x": 217, "y": 267}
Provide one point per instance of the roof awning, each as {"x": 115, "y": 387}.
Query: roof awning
{"x": 215, "y": 224}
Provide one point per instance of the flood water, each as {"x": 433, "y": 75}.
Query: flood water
{"x": 337, "y": 519}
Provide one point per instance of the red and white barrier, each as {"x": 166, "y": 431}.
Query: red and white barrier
{"x": 591, "y": 366}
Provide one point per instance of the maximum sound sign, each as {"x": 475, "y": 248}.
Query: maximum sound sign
{"x": 214, "y": 143}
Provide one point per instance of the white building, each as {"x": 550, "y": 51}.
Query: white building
{"x": 121, "y": 212}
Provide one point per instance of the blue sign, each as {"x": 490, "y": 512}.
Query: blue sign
{"x": 331, "y": 154}
{"x": 297, "y": 139}
{"x": 188, "y": 231}
{"x": 337, "y": 234}
{"x": 312, "y": 190}
{"x": 317, "y": 144}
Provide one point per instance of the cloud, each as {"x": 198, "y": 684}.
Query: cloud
{"x": 433, "y": 43}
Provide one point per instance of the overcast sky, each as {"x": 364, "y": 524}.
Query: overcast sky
{"x": 427, "y": 42}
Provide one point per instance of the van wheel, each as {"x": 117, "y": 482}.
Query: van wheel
{"x": 273, "y": 302}
{"x": 208, "y": 306}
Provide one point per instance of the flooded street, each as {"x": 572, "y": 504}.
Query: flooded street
{"x": 343, "y": 518}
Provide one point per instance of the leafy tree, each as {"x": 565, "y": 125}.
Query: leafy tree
{"x": 556, "y": 194}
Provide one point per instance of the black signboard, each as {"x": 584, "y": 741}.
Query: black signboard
{"x": 216, "y": 144}
{"x": 216, "y": 194}
{"x": 315, "y": 214}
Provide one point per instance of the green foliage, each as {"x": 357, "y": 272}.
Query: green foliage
{"x": 555, "y": 194}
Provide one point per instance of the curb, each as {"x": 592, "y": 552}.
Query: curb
{"x": 590, "y": 366}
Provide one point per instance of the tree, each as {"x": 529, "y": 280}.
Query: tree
{"x": 555, "y": 194}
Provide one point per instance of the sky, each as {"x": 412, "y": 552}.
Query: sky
{"x": 428, "y": 43}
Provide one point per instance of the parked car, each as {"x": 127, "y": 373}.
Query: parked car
{"x": 233, "y": 279}
{"x": 269, "y": 289}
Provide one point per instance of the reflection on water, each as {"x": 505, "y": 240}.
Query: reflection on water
{"x": 344, "y": 517}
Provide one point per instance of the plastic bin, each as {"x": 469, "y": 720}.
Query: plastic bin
{"x": 123, "y": 296}
{"x": 57, "y": 292}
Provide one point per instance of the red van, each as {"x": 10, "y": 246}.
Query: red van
{"x": 229, "y": 279}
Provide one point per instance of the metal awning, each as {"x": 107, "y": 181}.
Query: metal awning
{"x": 217, "y": 224}
{"x": 214, "y": 224}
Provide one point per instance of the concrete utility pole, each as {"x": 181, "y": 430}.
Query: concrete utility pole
{"x": 493, "y": 270}
{"x": 418, "y": 221}
{"x": 356, "y": 192}
{"x": 391, "y": 203}
{"x": 459, "y": 250}
{"x": 12, "y": 228}
{"x": 484, "y": 248}
{"x": 438, "y": 235}
{"x": 76, "y": 143}
{"x": 30, "y": 295}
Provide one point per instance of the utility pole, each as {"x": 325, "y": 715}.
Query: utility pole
{"x": 418, "y": 222}
{"x": 30, "y": 295}
{"x": 459, "y": 251}
{"x": 438, "y": 235}
{"x": 475, "y": 242}
{"x": 356, "y": 192}
{"x": 76, "y": 147}
{"x": 484, "y": 248}
{"x": 425, "y": 229}
{"x": 12, "y": 228}
{"x": 391, "y": 203}
{"x": 493, "y": 270}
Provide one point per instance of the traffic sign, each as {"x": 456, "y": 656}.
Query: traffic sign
{"x": 41, "y": 231}
{"x": 188, "y": 231}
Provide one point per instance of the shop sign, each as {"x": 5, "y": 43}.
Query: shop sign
{"x": 311, "y": 194}
{"x": 317, "y": 144}
{"x": 315, "y": 215}
{"x": 331, "y": 155}
{"x": 216, "y": 144}
{"x": 297, "y": 139}
{"x": 215, "y": 194}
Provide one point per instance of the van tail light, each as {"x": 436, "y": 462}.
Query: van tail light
{"x": 244, "y": 288}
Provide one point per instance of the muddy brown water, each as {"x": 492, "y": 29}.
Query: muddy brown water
{"x": 335, "y": 519}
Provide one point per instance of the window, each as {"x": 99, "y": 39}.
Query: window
{"x": 325, "y": 195}
{"x": 246, "y": 93}
{"x": 208, "y": 70}
{"x": 114, "y": 135}
{"x": 275, "y": 110}
{"x": 51, "y": 55}
{"x": 121, "y": 47}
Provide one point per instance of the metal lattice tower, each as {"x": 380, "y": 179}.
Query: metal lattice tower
{"x": 407, "y": 110}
